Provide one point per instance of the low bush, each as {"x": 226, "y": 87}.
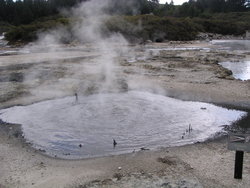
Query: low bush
{"x": 5, "y": 27}
{"x": 153, "y": 27}
{"x": 27, "y": 33}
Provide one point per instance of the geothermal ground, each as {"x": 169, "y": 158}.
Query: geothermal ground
{"x": 188, "y": 71}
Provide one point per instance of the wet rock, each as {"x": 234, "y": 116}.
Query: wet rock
{"x": 42, "y": 150}
{"x": 66, "y": 154}
{"x": 106, "y": 181}
{"x": 144, "y": 149}
{"x": 228, "y": 72}
{"x": 223, "y": 72}
{"x": 16, "y": 133}
{"x": 118, "y": 176}
{"x": 210, "y": 36}
{"x": 159, "y": 40}
{"x": 149, "y": 41}
{"x": 167, "y": 160}
{"x": 168, "y": 185}
{"x": 16, "y": 77}
{"x": 2, "y": 122}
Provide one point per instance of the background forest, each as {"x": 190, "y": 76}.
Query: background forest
{"x": 23, "y": 19}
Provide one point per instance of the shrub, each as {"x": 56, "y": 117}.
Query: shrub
{"x": 27, "y": 33}
{"x": 153, "y": 27}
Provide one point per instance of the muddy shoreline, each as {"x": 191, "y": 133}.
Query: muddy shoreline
{"x": 197, "y": 165}
{"x": 207, "y": 164}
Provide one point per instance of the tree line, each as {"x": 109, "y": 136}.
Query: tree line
{"x": 25, "y": 11}
{"x": 194, "y": 8}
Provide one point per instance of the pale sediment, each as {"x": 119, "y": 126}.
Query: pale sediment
{"x": 186, "y": 74}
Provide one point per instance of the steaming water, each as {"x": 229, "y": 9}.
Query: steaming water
{"x": 233, "y": 44}
{"x": 10, "y": 51}
{"x": 135, "y": 119}
{"x": 241, "y": 70}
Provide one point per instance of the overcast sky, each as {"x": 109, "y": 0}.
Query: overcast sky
{"x": 176, "y": 2}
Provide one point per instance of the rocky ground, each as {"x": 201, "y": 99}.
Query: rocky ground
{"x": 189, "y": 74}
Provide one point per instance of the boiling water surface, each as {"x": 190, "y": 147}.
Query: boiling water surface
{"x": 134, "y": 119}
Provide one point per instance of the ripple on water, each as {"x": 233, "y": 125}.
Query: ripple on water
{"x": 135, "y": 119}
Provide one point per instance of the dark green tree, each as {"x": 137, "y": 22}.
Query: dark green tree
{"x": 235, "y": 5}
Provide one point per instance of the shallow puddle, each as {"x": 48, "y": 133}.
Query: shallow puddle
{"x": 86, "y": 128}
{"x": 241, "y": 70}
{"x": 233, "y": 44}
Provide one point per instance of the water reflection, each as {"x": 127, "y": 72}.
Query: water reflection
{"x": 241, "y": 70}
{"x": 233, "y": 44}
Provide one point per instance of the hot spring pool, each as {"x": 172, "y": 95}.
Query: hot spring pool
{"x": 241, "y": 70}
{"x": 134, "y": 119}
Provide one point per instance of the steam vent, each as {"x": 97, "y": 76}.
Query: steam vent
{"x": 124, "y": 93}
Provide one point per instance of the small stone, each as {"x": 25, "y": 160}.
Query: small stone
{"x": 66, "y": 153}
{"x": 144, "y": 149}
{"x": 165, "y": 184}
{"x": 118, "y": 176}
{"x": 42, "y": 150}
{"x": 119, "y": 168}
